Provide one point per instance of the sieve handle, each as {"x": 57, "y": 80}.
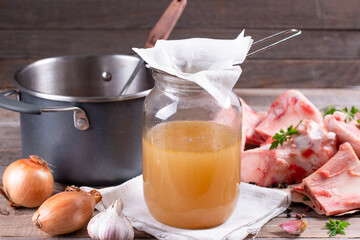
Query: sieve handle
{"x": 295, "y": 32}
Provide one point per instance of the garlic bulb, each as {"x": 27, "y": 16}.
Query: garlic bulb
{"x": 111, "y": 224}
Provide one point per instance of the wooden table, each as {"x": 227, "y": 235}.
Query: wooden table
{"x": 17, "y": 224}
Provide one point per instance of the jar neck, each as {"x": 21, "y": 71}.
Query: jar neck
{"x": 165, "y": 81}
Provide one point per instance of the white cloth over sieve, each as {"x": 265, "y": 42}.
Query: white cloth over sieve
{"x": 207, "y": 62}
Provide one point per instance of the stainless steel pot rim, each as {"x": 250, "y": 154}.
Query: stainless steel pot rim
{"x": 65, "y": 98}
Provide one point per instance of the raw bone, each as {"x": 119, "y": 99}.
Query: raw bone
{"x": 333, "y": 189}
{"x": 288, "y": 109}
{"x": 292, "y": 162}
{"x": 250, "y": 120}
{"x": 345, "y": 132}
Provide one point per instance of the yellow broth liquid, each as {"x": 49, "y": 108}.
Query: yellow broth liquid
{"x": 191, "y": 172}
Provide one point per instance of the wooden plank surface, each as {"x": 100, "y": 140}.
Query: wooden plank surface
{"x": 261, "y": 99}
{"x": 16, "y": 224}
{"x": 114, "y": 14}
{"x": 259, "y": 73}
{"x": 325, "y": 55}
{"x": 25, "y": 44}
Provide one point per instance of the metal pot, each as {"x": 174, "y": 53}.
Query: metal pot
{"x": 73, "y": 117}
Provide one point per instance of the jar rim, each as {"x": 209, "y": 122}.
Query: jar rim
{"x": 173, "y": 80}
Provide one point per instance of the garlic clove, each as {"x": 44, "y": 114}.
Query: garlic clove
{"x": 294, "y": 226}
{"x": 111, "y": 224}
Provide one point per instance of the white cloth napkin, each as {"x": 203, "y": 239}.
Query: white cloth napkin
{"x": 255, "y": 207}
{"x": 207, "y": 62}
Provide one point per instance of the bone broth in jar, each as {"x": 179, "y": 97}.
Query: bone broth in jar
{"x": 191, "y": 154}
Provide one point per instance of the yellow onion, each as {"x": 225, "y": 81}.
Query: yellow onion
{"x": 67, "y": 211}
{"x": 28, "y": 182}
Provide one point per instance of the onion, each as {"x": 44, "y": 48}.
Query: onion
{"x": 28, "y": 182}
{"x": 67, "y": 211}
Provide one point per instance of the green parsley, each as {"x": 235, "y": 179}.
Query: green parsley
{"x": 306, "y": 198}
{"x": 282, "y": 136}
{"x": 351, "y": 113}
{"x": 329, "y": 110}
{"x": 336, "y": 227}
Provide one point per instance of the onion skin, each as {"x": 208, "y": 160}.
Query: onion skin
{"x": 66, "y": 212}
{"x": 28, "y": 182}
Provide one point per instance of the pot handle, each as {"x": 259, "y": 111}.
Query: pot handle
{"x": 17, "y": 106}
{"x": 81, "y": 120}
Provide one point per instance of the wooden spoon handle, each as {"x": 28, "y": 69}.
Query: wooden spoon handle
{"x": 166, "y": 23}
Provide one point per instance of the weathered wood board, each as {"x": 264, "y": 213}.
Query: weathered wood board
{"x": 16, "y": 224}
{"x": 117, "y": 14}
{"x": 325, "y": 55}
{"x": 257, "y": 73}
{"x": 35, "y": 44}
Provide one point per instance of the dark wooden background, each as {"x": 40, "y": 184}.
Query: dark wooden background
{"x": 325, "y": 55}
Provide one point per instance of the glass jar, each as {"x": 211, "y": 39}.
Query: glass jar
{"x": 191, "y": 154}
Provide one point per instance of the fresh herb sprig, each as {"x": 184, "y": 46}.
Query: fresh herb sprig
{"x": 336, "y": 227}
{"x": 350, "y": 114}
{"x": 282, "y": 136}
{"x": 329, "y": 110}
{"x": 306, "y": 198}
